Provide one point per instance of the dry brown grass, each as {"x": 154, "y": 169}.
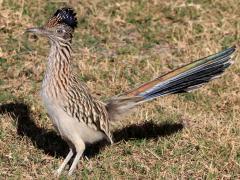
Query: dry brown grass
{"x": 117, "y": 46}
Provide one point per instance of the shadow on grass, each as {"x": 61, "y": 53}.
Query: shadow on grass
{"x": 46, "y": 140}
{"x": 52, "y": 144}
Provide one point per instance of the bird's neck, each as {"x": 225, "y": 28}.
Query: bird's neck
{"x": 59, "y": 67}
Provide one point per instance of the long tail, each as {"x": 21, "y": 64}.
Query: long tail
{"x": 184, "y": 79}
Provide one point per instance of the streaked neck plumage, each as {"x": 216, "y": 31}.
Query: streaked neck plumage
{"x": 59, "y": 69}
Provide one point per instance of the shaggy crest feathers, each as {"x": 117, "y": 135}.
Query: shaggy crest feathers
{"x": 64, "y": 15}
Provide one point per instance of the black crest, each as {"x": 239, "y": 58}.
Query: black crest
{"x": 67, "y": 16}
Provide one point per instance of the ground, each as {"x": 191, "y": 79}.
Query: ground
{"x": 117, "y": 46}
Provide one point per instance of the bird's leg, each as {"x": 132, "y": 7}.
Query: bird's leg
{"x": 66, "y": 160}
{"x": 80, "y": 147}
{"x": 111, "y": 140}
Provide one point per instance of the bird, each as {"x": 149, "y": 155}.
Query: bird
{"x": 79, "y": 117}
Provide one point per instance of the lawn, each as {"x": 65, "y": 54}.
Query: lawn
{"x": 117, "y": 46}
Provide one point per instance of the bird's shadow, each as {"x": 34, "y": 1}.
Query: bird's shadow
{"x": 52, "y": 144}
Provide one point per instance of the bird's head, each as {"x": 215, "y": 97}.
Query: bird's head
{"x": 59, "y": 27}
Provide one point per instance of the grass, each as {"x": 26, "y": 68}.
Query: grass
{"x": 118, "y": 45}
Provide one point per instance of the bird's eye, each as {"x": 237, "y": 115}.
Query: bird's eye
{"x": 59, "y": 31}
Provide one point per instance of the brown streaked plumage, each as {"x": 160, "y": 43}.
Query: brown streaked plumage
{"x": 79, "y": 117}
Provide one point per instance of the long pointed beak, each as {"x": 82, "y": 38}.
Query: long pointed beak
{"x": 37, "y": 30}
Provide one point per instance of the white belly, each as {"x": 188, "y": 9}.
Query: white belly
{"x": 69, "y": 128}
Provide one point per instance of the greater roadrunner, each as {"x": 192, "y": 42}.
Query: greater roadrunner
{"x": 79, "y": 117}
